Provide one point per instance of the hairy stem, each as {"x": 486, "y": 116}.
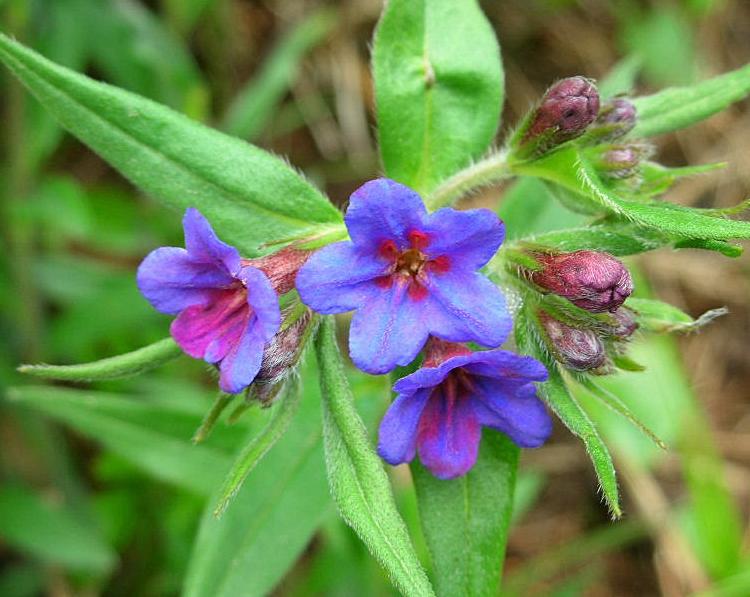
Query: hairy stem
{"x": 490, "y": 170}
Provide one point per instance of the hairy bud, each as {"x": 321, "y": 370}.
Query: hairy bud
{"x": 591, "y": 280}
{"x": 616, "y": 119}
{"x": 282, "y": 355}
{"x": 625, "y": 324}
{"x": 576, "y": 348}
{"x": 566, "y": 110}
{"x": 622, "y": 161}
{"x": 281, "y": 267}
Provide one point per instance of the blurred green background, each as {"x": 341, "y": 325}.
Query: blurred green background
{"x": 104, "y": 494}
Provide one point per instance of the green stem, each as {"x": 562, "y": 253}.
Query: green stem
{"x": 490, "y": 170}
{"x": 222, "y": 401}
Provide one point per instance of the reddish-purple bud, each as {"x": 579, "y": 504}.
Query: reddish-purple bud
{"x": 566, "y": 110}
{"x": 622, "y": 161}
{"x": 617, "y": 118}
{"x": 625, "y": 324}
{"x": 281, "y": 267}
{"x": 576, "y": 348}
{"x": 591, "y": 280}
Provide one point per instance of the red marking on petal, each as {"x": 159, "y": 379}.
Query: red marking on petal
{"x": 384, "y": 282}
{"x": 419, "y": 240}
{"x": 416, "y": 291}
{"x": 389, "y": 250}
{"x": 440, "y": 265}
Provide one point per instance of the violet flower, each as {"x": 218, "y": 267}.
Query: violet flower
{"x": 441, "y": 408}
{"x": 408, "y": 274}
{"x": 226, "y": 311}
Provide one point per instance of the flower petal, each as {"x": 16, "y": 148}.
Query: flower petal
{"x": 448, "y": 436}
{"x": 397, "y": 436}
{"x": 204, "y": 246}
{"x": 481, "y": 234}
{"x": 517, "y": 412}
{"x": 172, "y": 281}
{"x": 508, "y": 366}
{"x": 388, "y": 331}
{"x": 338, "y": 278}
{"x": 263, "y": 301}
{"x": 242, "y": 363}
{"x": 209, "y": 331}
{"x": 467, "y": 307}
{"x": 383, "y": 209}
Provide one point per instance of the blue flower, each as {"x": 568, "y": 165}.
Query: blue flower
{"x": 441, "y": 408}
{"x": 226, "y": 310}
{"x": 408, "y": 274}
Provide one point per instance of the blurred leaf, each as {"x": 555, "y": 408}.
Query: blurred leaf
{"x": 255, "y": 104}
{"x": 135, "y": 50}
{"x": 465, "y": 520}
{"x": 679, "y": 107}
{"x": 621, "y": 77}
{"x": 660, "y": 317}
{"x": 569, "y": 411}
{"x": 529, "y": 486}
{"x": 358, "y": 482}
{"x": 187, "y": 13}
{"x": 438, "y": 88}
{"x": 136, "y": 431}
{"x": 124, "y": 365}
{"x": 270, "y": 521}
{"x": 248, "y": 194}
{"x": 21, "y": 580}
{"x": 284, "y": 408}
{"x": 51, "y": 533}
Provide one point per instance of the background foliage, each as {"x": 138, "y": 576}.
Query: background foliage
{"x": 105, "y": 494}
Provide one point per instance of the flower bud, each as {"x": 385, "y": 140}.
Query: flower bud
{"x": 282, "y": 354}
{"x": 591, "y": 280}
{"x": 622, "y": 161}
{"x": 566, "y": 110}
{"x": 281, "y": 267}
{"x": 616, "y": 119}
{"x": 576, "y": 348}
{"x": 625, "y": 324}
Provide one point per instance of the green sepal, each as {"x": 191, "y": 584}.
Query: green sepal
{"x": 656, "y": 316}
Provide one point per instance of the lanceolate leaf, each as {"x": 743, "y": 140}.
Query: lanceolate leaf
{"x": 465, "y": 520}
{"x": 270, "y": 521}
{"x": 569, "y": 411}
{"x": 284, "y": 409}
{"x": 619, "y": 239}
{"x": 438, "y": 88}
{"x": 657, "y": 316}
{"x": 678, "y": 107}
{"x": 124, "y": 365}
{"x": 357, "y": 480}
{"x": 250, "y": 195}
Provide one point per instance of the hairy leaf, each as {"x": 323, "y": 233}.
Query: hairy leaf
{"x": 659, "y": 317}
{"x": 124, "y": 365}
{"x": 357, "y": 480}
{"x": 679, "y": 107}
{"x": 250, "y": 195}
{"x": 438, "y": 88}
{"x": 465, "y": 520}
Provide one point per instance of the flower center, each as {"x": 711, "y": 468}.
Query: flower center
{"x": 411, "y": 266}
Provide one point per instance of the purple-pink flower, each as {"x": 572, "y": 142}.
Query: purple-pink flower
{"x": 227, "y": 311}
{"x": 441, "y": 408}
{"x": 408, "y": 274}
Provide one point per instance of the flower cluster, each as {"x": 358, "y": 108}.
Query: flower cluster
{"x": 411, "y": 277}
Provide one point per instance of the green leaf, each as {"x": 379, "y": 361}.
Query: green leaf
{"x": 50, "y": 532}
{"x": 254, "y": 105}
{"x": 357, "y": 480}
{"x": 270, "y": 521}
{"x": 124, "y": 365}
{"x": 284, "y": 407}
{"x": 662, "y": 318}
{"x": 465, "y": 520}
{"x": 438, "y": 88}
{"x": 569, "y": 411}
{"x": 618, "y": 239}
{"x": 679, "y": 107}
{"x": 569, "y": 168}
{"x": 249, "y": 195}
{"x": 137, "y": 431}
